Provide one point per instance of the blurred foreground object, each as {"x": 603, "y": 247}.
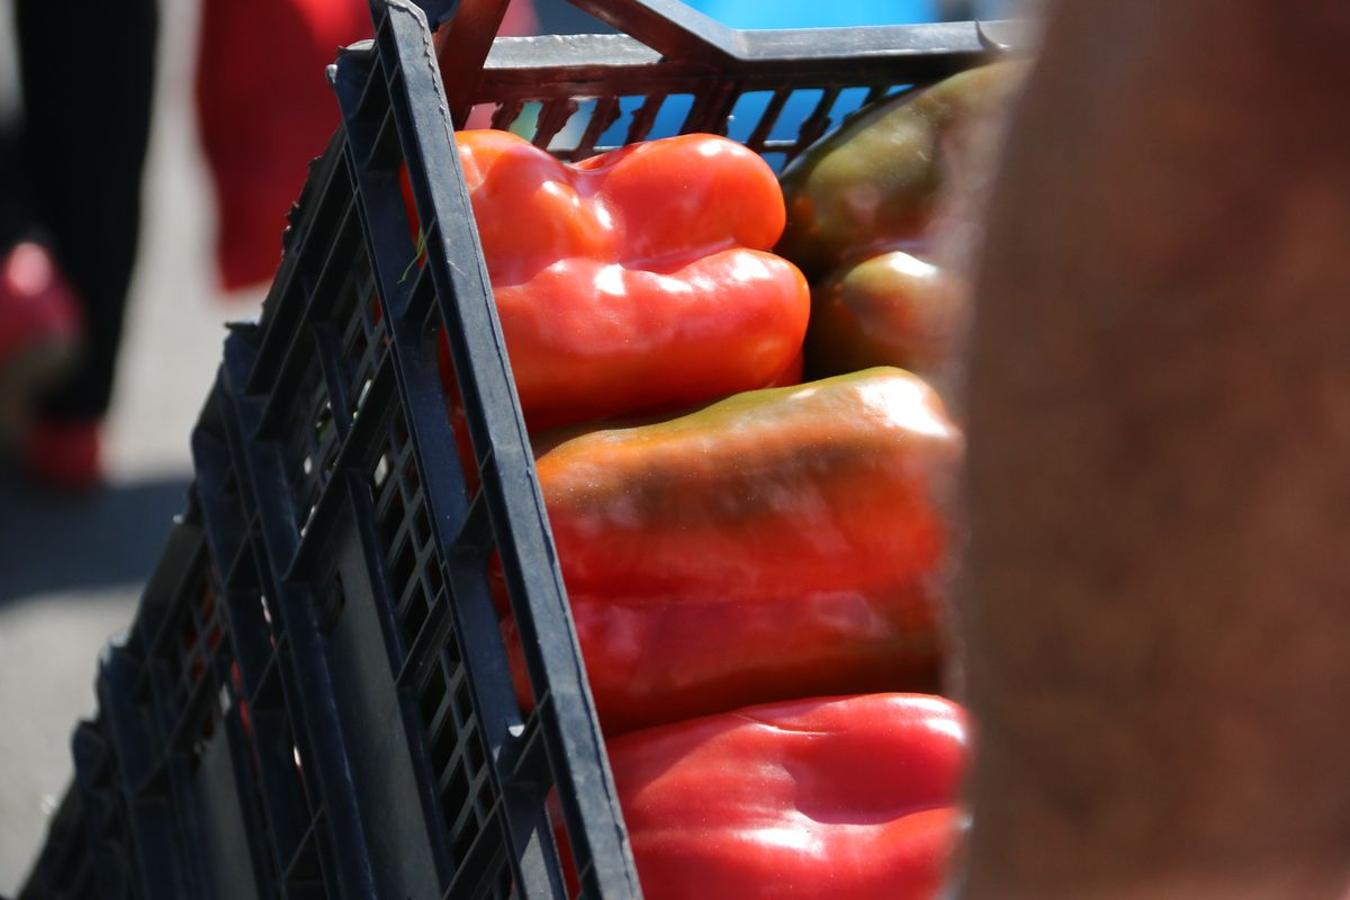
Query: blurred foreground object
{"x": 841, "y": 797}
{"x": 1154, "y": 604}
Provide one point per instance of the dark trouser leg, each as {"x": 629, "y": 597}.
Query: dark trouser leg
{"x": 88, "y": 76}
{"x": 12, "y": 222}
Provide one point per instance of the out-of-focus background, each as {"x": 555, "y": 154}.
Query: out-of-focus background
{"x": 71, "y": 568}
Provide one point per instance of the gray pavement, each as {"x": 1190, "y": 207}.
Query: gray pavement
{"x": 71, "y": 569}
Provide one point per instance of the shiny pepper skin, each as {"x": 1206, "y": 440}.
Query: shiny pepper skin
{"x": 636, "y": 280}
{"x": 864, "y": 206}
{"x": 780, "y": 543}
{"x": 895, "y": 308}
{"x": 844, "y": 798}
{"x": 875, "y": 183}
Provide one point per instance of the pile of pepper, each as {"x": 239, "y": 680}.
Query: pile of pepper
{"x": 866, "y": 208}
{"x": 753, "y": 563}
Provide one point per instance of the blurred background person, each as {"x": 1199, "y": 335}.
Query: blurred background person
{"x": 71, "y": 158}
{"x": 265, "y": 109}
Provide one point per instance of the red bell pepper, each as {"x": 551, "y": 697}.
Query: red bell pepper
{"x": 845, "y": 797}
{"x": 780, "y": 543}
{"x": 636, "y": 280}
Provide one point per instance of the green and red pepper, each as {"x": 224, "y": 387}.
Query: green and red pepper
{"x": 779, "y": 543}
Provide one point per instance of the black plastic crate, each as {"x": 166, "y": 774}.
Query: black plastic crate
{"x": 155, "y": 800}
{"x": 315, "y": 699}
{"x": 296, "y": 778}
{"x": 86, "y": 852}
{"x": 193, "y": 780}
{"x": 65, "y": 867}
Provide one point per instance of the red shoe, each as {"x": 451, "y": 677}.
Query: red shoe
{"x": 63, "y": 455}
{"x": 39, "y": 332}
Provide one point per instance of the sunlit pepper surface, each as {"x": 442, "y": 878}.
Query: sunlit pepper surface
{"x": 638, "y": 279}
{"x": 779, "y": 543}
{"x": 845, "y": 797}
